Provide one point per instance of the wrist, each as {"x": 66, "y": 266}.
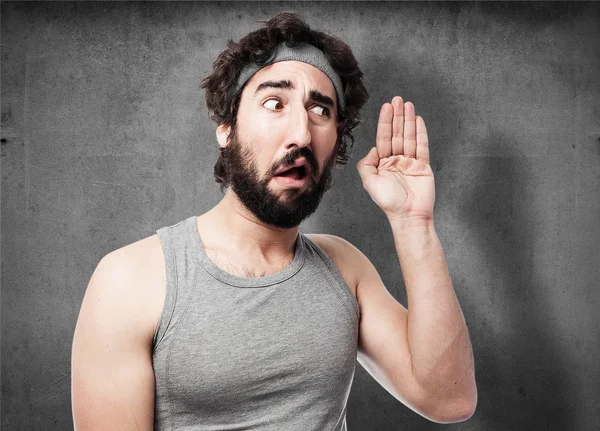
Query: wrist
{"x": 411, "y": 224}
{"x": 415, "y": 237}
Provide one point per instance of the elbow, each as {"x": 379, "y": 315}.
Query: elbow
{"x": 459, "y": 414}
{"x": 456, "y": 410}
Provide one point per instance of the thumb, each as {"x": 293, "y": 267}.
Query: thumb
{"x": 368, "y": 165}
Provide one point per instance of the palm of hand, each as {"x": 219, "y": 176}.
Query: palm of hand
{"x": 397, "y": 173}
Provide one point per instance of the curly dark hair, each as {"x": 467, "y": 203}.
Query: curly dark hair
{"x": 223, "y": 100}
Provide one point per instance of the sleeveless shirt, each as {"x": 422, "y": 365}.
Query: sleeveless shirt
{"x": 276, "y": 352}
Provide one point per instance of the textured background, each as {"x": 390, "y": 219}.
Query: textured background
{"x": 105, "y": 138}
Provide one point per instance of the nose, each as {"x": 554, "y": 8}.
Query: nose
{"x": 299, "y": 131}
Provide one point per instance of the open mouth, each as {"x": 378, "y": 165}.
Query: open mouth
{"x": 297, "y": 173}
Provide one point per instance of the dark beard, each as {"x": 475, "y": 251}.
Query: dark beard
{"x": 287, "y": 210}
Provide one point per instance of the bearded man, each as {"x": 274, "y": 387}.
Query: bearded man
{"x": 234, "y": 319}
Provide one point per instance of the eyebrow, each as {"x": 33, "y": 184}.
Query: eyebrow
{"x": 315, "y": 95}
{"x": 275, "y": 84}
{"x": 321, "y": 98}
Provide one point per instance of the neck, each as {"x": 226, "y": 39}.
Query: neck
{"x": 230, "y": 225}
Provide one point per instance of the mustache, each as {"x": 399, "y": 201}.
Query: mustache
{"x": 292, "y": 156}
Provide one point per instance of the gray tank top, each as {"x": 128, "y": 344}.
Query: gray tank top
{"x": 270, "y": 353}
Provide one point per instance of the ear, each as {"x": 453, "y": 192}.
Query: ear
{"x": 223, "y": 134}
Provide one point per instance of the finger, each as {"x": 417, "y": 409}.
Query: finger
{"x": 384, "y": 131}
{"x": 410, "y": 139}
{"x": 368, "y": 165}
{"x": 398, "y": 126}
{"x": 422, "y": 141}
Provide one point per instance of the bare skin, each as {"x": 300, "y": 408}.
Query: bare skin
{"x": 422, "y": 358}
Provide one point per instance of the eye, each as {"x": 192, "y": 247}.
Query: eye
{"x": 273, "y": 104}
{"x": 321, "y": 110}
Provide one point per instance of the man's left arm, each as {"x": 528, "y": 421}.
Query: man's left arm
{"x": 423, "y": 355}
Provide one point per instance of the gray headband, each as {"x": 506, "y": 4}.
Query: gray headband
{"x": 304, "y": 53}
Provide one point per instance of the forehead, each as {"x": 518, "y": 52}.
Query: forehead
{"x": 302, "y": 75}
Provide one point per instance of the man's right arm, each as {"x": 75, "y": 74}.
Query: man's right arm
{"x": 112, "y": 379}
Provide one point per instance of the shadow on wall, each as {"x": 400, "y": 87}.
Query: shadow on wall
{"x": 523, "y": 382}
{"x": 523, "y": 378}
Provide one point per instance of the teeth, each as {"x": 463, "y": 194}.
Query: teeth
{"x": 300, "y": 172}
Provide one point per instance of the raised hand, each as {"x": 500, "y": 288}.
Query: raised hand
{"x": 396, "y": 172}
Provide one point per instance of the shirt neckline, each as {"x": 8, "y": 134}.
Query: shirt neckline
{"x": 233, "y": 280}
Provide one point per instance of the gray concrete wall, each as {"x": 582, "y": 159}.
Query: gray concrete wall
{"x": 105, "y": 138}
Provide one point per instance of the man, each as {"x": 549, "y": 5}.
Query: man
{"x": 234, "y": 319}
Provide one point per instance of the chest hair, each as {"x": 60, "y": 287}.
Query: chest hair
{"x": 247, "y": 268}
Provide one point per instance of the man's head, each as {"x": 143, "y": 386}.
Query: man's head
{"x": 289, "y": 108}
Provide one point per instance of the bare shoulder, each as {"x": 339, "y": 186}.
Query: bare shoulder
{"x": 143, "y": 253}
{"x": 112, "y": 384}
{"x": 134, "y": 275}
{"x": 347, "y": 257}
